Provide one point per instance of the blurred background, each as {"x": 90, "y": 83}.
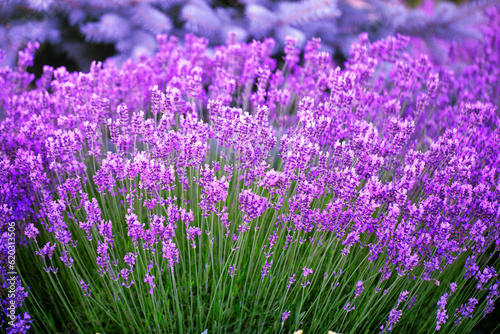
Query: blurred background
{"x": 72, "y": 33}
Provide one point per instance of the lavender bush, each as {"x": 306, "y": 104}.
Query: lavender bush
{"x": 188, "y": 192}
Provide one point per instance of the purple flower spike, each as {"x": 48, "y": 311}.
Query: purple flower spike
{"x": 285, "y": 316}
{"x": 394, "y": 316}
{"x": 402, "y": 297}
{"x": 85, "y": 288}
{"x": 442, "y": 315}
{"x": 359, "y": 289}
{"x": 291, "y": 280}
{"x": 307, "y": 271}
{"x": 31, "y": 231}
{"x": 193, "y": 232}
{"x": 232, "y": 271}
{"x": 129, "y": 259}
{"x": 348, "y": 307}
{"x": 265, "y": 268}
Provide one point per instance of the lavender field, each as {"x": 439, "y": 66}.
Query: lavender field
{"x": 255, "y": 186}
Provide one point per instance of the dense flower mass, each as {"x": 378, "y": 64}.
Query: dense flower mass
{"x": 140, "y": 189}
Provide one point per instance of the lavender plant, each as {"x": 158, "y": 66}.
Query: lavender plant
{"x": 188, "y": 192}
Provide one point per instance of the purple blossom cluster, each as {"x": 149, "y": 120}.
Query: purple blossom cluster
{"x": 392, "y": 147}
{"x": 441, "y": 313}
